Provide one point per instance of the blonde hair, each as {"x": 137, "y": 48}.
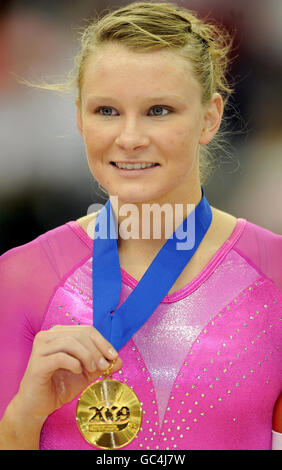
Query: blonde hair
{"x": 147, "y": 26}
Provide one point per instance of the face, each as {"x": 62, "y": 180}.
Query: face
{"x": 144, "y": 108}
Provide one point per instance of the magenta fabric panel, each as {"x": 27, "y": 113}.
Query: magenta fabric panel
{"x": 207, "y": 363}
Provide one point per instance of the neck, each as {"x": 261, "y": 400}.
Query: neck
{"x": 147, "y": 225}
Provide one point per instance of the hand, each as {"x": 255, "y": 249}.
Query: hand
{"x": 63, "y": 362}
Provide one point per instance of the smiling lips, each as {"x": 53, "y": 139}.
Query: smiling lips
{"x": 134, "y": 166}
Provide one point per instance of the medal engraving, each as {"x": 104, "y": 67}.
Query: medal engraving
{"x": 108, "y": 414}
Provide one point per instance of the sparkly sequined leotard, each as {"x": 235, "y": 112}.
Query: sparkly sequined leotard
{"x": 207, "y": 364}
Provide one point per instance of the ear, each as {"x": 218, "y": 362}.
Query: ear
{"x": 78, "y": 116}
{"x": 212, "y": 119}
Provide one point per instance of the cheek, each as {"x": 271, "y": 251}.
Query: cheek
{"x": 95, "y": 138}
{"x": 183, "y": 145}
{"x": 185, "y": 136}
{"x": 185, "y": 148}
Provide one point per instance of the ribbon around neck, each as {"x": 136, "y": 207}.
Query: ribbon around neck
{"x": 119, "y": 325}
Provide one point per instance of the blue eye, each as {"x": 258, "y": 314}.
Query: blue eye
{"x": 102, "y": 108}
{"x": 109, "y": 107}
{"x": 161, "y": 107}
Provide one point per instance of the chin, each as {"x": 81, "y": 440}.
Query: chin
{"x": 132, "y": 199}
{"x": 139, "y": 196}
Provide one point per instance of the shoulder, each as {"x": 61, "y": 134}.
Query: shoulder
{"x": 87, "y": 223}
{"x": 20, "y": 255}
{"x": 31, "y": 272}
{"x": 38, "y": 244}
{"x": 21, "y": 271}
{"x": 261, "y": 239}
{"x": 254, "y": 236}
{"x": 222, "y": 226}
{"x": 27, "y": 264}
{"x": 264, "y": 249}
{"x": 39, "y": 255}
{"x": 260, "y": 247}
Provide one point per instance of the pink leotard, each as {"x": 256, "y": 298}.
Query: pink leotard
{"x": 206, "y": 365}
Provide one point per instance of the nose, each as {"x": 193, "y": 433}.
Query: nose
{"x": 132, "y": 135}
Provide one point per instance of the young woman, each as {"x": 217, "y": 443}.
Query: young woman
{"x": 205, "y": 363}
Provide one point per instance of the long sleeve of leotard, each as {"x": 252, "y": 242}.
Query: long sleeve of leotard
{"x": 29, "y": 275}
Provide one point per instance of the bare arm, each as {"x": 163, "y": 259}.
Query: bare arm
{"x": 18, "y": 430}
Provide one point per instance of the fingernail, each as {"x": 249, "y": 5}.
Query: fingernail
{"x": 112, "y": 352}
{"x": 103, "y": 363}
{"x": 93, "y": 366}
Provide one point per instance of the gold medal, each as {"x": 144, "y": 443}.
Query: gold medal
{"x": 108, "y": 413}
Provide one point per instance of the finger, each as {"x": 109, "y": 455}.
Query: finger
{"x": 117, "y": 365}
{"x": 103, "y": 345}
{"x": 101, "y": 362}
{"x": 85, "y": 354}
{"x": 95, "y": 336}
{"x": 60, "y": 360}
{"x": 102, "y": 350}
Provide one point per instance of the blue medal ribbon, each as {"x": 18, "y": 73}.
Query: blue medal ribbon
{"x": 119, "y": 325}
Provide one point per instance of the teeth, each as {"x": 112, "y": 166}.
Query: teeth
{"x": 136, "y": 166}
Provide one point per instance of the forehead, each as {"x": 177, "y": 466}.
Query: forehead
{"x": 116, "y": 69}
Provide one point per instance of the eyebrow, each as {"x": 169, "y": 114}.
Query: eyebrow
{"x": 155, "y": 98}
